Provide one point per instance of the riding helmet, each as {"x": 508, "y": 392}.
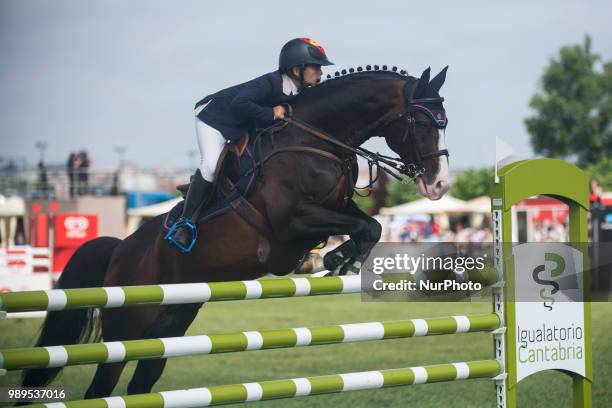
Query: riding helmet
{"x": 300, "y": 52}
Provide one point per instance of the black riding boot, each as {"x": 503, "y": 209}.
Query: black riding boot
{"x": 198, "y": 193}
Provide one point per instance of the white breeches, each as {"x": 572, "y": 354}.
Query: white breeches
{"x": 210, "y": 143}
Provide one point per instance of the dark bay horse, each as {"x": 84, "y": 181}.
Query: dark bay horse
{"x": 304, "y": 195}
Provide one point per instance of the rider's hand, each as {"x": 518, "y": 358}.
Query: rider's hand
{"x": 279, "y": 112}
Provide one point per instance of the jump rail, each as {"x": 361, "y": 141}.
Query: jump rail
{"x": 113, "y": 352}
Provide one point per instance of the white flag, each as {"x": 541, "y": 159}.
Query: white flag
{"x": 502, "y": 151}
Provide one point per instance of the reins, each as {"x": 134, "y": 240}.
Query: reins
{"x": 394, "y": 166}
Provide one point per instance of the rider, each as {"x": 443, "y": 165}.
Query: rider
{"x": 230, "y": 113}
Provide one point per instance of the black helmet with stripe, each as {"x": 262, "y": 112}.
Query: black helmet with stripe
{"x": 301, "y": 52}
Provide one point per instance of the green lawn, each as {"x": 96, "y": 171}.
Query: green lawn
{"x": 186, "y": 372}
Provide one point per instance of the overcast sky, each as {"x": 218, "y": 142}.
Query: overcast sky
{"x": 99, "y": 74}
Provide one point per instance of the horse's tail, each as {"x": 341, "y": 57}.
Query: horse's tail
{"x": 86, "y": 268}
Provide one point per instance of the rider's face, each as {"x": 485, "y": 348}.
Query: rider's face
{"x": 312, "y": 74}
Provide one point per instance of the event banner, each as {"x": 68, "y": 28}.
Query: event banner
{"x": 550, "y": 333}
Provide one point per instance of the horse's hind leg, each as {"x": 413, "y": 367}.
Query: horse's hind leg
{"x": 172, "y": 323}
{"x": 107, "y": 375}
{"x": 146, "y": 375}
{"x": 104, "y": 380}
{"x": 119, "y": 325}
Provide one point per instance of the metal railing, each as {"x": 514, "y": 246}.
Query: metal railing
{"x": 56, "y": 183}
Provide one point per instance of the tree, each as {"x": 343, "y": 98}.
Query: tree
{"x": 473, "y": 183}
{"x": 574, "y": 108}
{"x": 364, "y": 203}
{"x": 602, "y": 172}
{"x": 401, "y": 192}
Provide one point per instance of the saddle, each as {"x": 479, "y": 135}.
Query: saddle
{"x": 228, "y": 165}
{"x": 235, "y": 180}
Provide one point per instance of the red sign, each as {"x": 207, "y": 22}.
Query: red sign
{"x": 72, "y": 230}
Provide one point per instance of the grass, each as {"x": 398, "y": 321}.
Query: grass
{"x": 550, "y": 389}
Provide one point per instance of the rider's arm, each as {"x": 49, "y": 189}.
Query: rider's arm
{"x": 246, "y": 102}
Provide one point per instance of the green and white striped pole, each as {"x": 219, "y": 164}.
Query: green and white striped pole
{"x": 296, "y": 387}
{"x": 112, "y": 352}
{"x": 172, "y": 294}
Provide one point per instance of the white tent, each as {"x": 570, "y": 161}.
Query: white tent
{"x": 12, "y": 206}
{"x": 479, "y": 209}
{"x": 136, "y": 215}
{"x": 154, "y": 210}
{"x": 480, "y": 205}
{"x": 446, "y": 204}
{"x": 439, "y": 209}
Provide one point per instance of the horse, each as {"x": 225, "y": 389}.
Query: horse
{"x": 304, "y": 194}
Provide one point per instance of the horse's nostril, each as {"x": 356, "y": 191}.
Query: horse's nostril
{"x": 441, "y": 186}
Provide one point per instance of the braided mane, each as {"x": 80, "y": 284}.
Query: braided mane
{"x": 360, "y": 72}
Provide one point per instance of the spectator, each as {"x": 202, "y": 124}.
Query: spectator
{"x": 462, "y": 234}
{"x": 114, "y": 190}
{"x": 70, "y": 169}
{"x": 435, "y": 228}
{"x": 43, "y": 182}
{"x": 478, "y": 235}
{"x": 82, "y": 165}
{"x": 595, "y": 194}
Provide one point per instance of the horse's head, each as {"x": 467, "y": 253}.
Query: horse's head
{"x": 417, "y": 135}
{"x": 406, "y": 111}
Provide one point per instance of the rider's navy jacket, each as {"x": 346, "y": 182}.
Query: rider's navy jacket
{"x": 238, "y": 109}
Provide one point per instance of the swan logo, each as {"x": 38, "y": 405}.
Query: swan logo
{"x": 547, "y": 293}
{"x": 76, "y": 227}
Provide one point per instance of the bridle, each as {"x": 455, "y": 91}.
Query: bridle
{"x": 396, "y": 166}
{"x": 413, "y": 105}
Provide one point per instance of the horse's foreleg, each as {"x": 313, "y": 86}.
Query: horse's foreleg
{"x": 364, "y": 247}
{"x": 341, "y": 255}
{"x": 313, "y": 222}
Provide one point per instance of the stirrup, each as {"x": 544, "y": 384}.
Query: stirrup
{"x": 194, "y": 235}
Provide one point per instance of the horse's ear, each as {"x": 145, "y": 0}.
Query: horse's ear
{"x": 425, "y": 75}
{"x": 423, "y": 82}
{"x": 438, "y": 80}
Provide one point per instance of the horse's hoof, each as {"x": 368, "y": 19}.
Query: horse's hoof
{"x": 341, "y": 268}
{"x": 333, "y": 261}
